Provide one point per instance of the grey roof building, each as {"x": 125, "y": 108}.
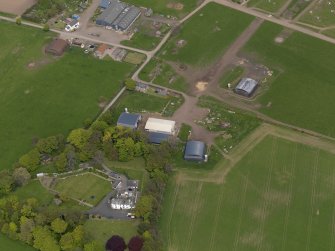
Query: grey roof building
{"x": 195, "y": 150}
{"x": 118, "y": 15}
{"x": 129, "y": 120}
{"x": 157, "y": 138}
{"x": 246, "y": 87}
{"x": 104, "y": 4}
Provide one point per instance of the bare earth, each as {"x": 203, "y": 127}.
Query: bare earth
{"x": 17, "y": 7}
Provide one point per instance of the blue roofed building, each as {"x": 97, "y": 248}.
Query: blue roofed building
{"x": 157, "y": 138}
{"x": 246, "y": 87}
{"x": 195, "y": 150}
{"x": 104, "y": 4}
{"x": 129, "y": 120}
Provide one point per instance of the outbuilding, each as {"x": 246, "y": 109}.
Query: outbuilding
{"x": 157, "y": 138}
{"x": 56, "y": 47}
{"x": 160, "y": 126}
{"x": 246, "y": 87}
{"x": 104, "y": 4}
{"x": 129, "y": 120}
{"x": 195, "y": 150}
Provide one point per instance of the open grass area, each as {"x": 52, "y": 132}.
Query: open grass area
{"x": 231, "y": 77}
{"x": 86, "y": 187}
{"x": 9, "y": 244}
{"x": 53, "y": 95}
{"x": 321, "y": 14}
{"x": 302, "y": 94}
{"x": 267, "y": 5}
{"x": 102, "y": 230}
{"x": 184, "y": 132}
{"x": 329, "y": 32}
{"x": 164, "y": 6}
{"x": 207, "y": 34}
{"x": 142, "y": 41}
{"x": 134, "y": 58}
{"x": 34, "y": 189}
{"x": 295, "y": 8}
{"x": 278, "y": 197}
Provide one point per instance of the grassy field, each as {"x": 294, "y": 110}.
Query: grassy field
{"x": 102, "y": 230}
{"x": 50, "y": 97}
{"x": 302, "y": 94}
{"x": 278, "y": 197}
{"x": 142, "y": 41}
{"x": 207, "y": 34}
{"x": 267, "y": 5}
{"x": 9, "y": 244}
{"x": 87, "y": 187}
{"x": 34, "y": 189}
{"x": 231, "y": 77}
{"x": 323, "y": 14}
{"x": 163, "y": 7}
{"x": 184, "y": 132}
{"x": 134, "y": 58}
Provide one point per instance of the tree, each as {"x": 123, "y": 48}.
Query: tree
{"x": 78, "y": 235}
{"x": 115, "y": 243}
{"x": 47, "y": 145}
{"x": 99, "y": 125}
{"x": 26, "y": 229}
{"x": 43, "y": 239}
{"x": 61, "y": 162}
{"x": 135, "y": 243}
{"x": 91, "y": 246}
{"x": 144, "y": 207}
{"x": 30, "y": 160}
{"x": 58, "y": 226}
{"x": 18, "y": 20}
{"x": 67, "y": 242}
{"x": 46, "y": 27}
{"x": 21, "y": 176}
{"x": 6, "y": 182}
{"x": 130, "y": 84}
{"x": 79, "y": 137}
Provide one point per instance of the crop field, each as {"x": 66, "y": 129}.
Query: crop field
{"x": 268, "y": 5}
{"x": 207, "y": 34}
{"x": 87, "y": 187}
{"x": 177, "y": 8}
{"x": 302, "y": 94}
{"x": 321, "y": 14}
{"x": 279, "y": 196}
{"x": 43, "y": 96}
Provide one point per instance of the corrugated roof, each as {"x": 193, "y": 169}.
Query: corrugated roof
{"x": 157, "y": 138}
{"x": 247, "y": 85}
{"x": 128, "y": 119}
{"x": 127, "y": 17}
{"x": 104, "y": 3}
{"x": 160, "y": 125}
{"x": 195, "y": 150}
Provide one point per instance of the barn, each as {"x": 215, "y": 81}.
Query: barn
{"x": 129, "y": 120}
{"x": 160, "y": 126}
{"x": 195, "y": 150}
{"x": 246, "y": 87}
{"x": 56, "y": 47}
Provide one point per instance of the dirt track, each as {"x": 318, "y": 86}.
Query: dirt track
{"x": 17, "y": 7}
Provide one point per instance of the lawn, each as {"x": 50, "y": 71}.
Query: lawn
{"x": 207, "y": 34}
{"x": 102, "y": 230}
{"x": 9, "y": 244}
{"x": 302, "y": 95}
{"x": 142, "y": 41}
{"x": 329, "y": 32}
{"x": 52, "y": 96}
{"x": 278, "y": 197}
{"x": 231, "y": 77}
{"x": 267, "y": 5}
{"x": 134, "y": 58}
{"x": 163, "y": 7}
{"x": 87, "y": 187}
{"x": 322, "y": 14}
{"x": 184, "y": 132}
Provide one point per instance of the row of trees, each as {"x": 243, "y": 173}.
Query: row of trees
{"x": 117, "y": 243}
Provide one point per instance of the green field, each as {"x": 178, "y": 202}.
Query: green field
{"x": 54, "y": 96}
{"x": 207, "y": 34}
{"x": 161, "y": 6}
{"x": 322, "y": 14}
{"x": 142, "y": 41}
{"x": 302, "y": 94}
{"x": 102, "y": 230}
{"x": 87, "y": 187}
{"x": 231, "y": 77}
{"x": 278, "y": 197}
{"x": 267, "y": 5}
{"x": 7, "y": 244}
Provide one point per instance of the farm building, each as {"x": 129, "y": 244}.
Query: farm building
{"x": 72, "y": 26}
{"x": 118, "y": 15}
{"x": 160, "y": 126}
{"x": 118, "y": 54}
{"x": 157, "y": 138}
{"x": 101, "y": 51}
{"x": 195, "y": 150}
{"x": 246, "y": 87}
{"x": 56, "y": 47}
{"x": 104, "y": 4}
{"x": 129, "y": 120}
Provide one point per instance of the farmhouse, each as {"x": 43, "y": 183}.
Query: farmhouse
{"x": 129, "y": 120}
{"x": 118, "y": 15}
{"x": 160, "y": 126}
{"x": 246, "y": 87}
{"x": 157, "y": 138}
{"x": 195, "y": 150}
{"x": 56, "y": 47}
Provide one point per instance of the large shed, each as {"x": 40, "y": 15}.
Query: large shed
{"x": 126, "y": 18}
{"x": 129, "y": 120}
{"x": 195, "y": 150}
{"x": 108, "y": 16}
{"x": 246, "y": 87}
{"x": 56, "y": 47}
{"x": 104, "y": 4}
{"x": 160, "y": 126}
{"x": 157, "y": 137}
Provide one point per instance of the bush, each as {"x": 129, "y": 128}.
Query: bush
{"x": 46, "y": 27}
{"x": 18, "y": 20}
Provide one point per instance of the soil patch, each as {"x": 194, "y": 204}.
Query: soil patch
{"x": 176, "y": 6}
{"x": 17, "y": 7}
{"x": 201, "y": 86}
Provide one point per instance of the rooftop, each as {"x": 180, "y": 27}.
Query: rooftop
{"x": 195, "y": 150}
{"x": 128, "y": 119}
{"x": 247, "y": 85}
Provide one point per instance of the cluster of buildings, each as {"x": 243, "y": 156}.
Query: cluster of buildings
{"x": 117, "y": 15}
{"x": 160, "y": 130}
{"x": 125, "y": 193}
